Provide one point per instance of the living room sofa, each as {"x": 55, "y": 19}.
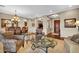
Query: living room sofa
{"x": 71, "y": 46}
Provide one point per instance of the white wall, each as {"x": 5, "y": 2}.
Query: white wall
{"x": 66, "y": 15}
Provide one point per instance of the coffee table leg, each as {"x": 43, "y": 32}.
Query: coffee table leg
{"x": 46, "y": 49}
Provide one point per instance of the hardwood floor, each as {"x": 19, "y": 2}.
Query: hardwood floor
{"x": 59, "y": 48}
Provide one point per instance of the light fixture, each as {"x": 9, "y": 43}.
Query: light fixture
{"x": 15, "y": 18}
{"x": 25, "y": 20}
{"x": 77, "y": 24}
{"x": 40, "y": 18}
{"x": 54, "y": 16}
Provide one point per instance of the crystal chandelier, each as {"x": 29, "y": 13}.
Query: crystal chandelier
{"x": 15, "y": 18}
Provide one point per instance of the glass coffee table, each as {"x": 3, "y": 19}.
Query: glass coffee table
{"x": 44, "y": 44}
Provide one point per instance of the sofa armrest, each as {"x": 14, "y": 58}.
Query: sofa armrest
{"x": 71, "y": 46}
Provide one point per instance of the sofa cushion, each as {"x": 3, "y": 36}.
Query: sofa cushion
{"x": 10, "y": 45}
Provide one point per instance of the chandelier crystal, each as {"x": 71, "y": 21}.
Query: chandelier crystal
{"x": 15, "y": 18}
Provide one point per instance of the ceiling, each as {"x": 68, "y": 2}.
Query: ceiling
{"x": 35, "y": 10}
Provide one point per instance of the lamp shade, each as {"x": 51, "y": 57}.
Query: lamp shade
{"x": 77, "y": 23}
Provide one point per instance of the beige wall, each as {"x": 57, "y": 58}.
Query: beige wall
{"x": 6, "y": 16}
{"x": 44, "y": 19}
{"x": 29, "y": 21}
{"x": 66, "y": 15}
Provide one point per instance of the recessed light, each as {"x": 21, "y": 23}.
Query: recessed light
{"x": 55, "y": 15}
{"x": 25, "y": 20}
{"x": 40, "y": 19}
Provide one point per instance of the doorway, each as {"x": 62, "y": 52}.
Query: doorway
{"x": 40, "y": 23}
{"x": 57, "y": 28}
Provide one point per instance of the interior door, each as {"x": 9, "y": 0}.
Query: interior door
{"x": 57, "y": 27}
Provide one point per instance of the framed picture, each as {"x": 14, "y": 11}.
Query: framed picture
{"x": 70, "y": 23}
{"x": 4, "y": 22}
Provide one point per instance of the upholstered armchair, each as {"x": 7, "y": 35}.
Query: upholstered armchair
{"x": 12, "y": 29}
{"x": 11, "y": 45}
{"x": 17, "y": 30}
